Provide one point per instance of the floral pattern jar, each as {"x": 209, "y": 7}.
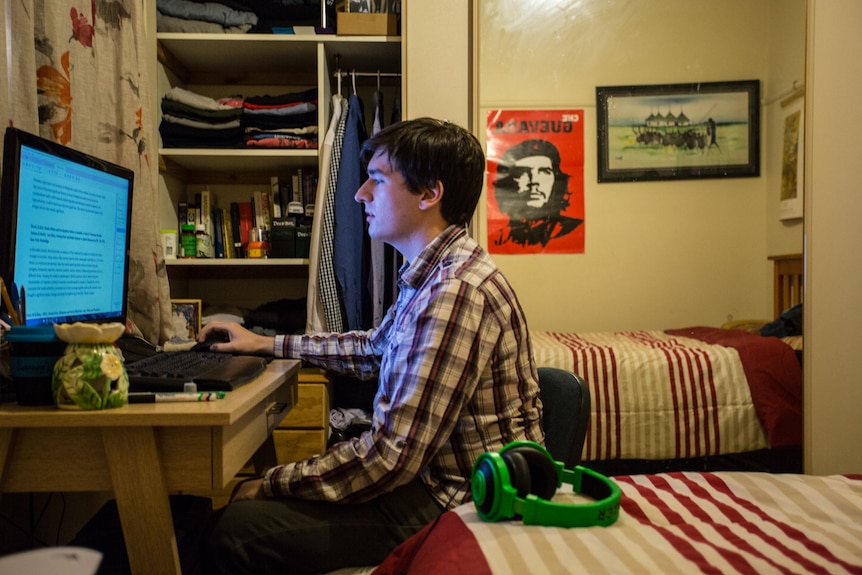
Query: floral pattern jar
{"x": 91, "y": 373}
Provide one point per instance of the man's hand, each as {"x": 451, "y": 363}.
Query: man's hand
{"x": 240, "y": 340}
{"x": 248, "y": 489}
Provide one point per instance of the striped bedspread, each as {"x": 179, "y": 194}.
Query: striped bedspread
{"x": 675, "y": 523}
{"x": 677, "y": 394}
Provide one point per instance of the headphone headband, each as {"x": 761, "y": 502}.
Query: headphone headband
{"x": 502, "y": 489}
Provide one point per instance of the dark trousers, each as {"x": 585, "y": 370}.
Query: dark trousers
{"x": 293, "y": 536}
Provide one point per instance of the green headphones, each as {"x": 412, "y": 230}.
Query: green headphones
{"x": 520, "y": 479}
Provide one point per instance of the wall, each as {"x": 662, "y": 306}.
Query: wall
{"x": 658, "y": 254}
{"x": 833, "y": 363}
{"x": 436, "y": 44}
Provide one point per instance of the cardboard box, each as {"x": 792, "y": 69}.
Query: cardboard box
{"x": 366, "y": 24}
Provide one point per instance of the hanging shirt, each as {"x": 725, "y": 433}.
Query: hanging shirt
{"x": 350, "y": 254}
{"x": 315, "y": 312}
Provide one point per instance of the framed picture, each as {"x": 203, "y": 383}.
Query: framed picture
{"x": 792, "y": 160}
{"x": 186, "y": 316}
{"x": 678, "y": 131}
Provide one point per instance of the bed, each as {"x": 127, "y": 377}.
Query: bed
{"x": 679, "y": 522}
{"x": 691, "y": 399}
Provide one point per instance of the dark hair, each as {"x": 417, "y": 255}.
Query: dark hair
{"x": 425, "y": 151}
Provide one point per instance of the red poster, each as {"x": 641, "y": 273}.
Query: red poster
{"x": 535, "y": 181}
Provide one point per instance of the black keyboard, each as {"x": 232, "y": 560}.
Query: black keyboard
{"x": 210, "y": 371}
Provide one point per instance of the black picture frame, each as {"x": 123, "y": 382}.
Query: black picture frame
{"x": 666, "y": 131}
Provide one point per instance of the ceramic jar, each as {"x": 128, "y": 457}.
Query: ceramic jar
{"x": 91, "y": 373}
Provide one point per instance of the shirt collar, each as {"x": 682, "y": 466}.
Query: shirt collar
{"x": 414, "y": 273}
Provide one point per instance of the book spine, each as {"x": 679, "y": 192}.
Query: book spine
{"x": 218, "y": 236}
{"x": 227, "y": 233}
{"x": 182, "y": 213}
{"x": 282, "y": 238}
{"x": 309, "y": 192}
{"x": 303, "y": 238}
{"x": 275, "y": 194}
{"x": 246, "y": 223}
{"x": 238, "y": 251}
{"x": 266, "y": 206}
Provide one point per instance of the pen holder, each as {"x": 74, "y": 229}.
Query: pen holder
{"x": 91, "y": 373}
{"x": 32, "y": 353}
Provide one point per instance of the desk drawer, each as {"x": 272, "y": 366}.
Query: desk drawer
{"x": 311, "y": 410}
{"x": 296, "y": 444}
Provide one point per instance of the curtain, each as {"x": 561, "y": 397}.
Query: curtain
{"x": 74, "y": 71}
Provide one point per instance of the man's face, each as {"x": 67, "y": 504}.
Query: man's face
{"x": 391, "y": 210}
{"x": 535, "y": 178}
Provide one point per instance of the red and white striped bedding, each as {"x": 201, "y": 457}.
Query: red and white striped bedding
{"x": 675, "y": 523}
{"x": 681, "y": 393}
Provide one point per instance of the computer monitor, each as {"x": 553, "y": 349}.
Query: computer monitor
{"x": 65, "y": 227}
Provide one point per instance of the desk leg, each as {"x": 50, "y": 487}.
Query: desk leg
{"x": 6, "y": 435}
{"x": 142, "y": 499}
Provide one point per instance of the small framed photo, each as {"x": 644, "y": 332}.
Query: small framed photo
{"x": 678, "y": 131}
{"x": 186, "y": 316}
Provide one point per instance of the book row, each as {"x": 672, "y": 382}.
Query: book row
{"x": 275, "y": 223}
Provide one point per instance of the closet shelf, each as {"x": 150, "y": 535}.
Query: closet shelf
{"x": 243, "y": 269}
{"x": 251, "y": 58}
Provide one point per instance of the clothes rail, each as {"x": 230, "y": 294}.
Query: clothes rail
{"x": 354, "y": 74}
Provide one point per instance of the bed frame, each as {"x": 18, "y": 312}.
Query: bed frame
{"x": 787, "y": 284}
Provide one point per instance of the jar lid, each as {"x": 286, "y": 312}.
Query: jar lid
{"x": 188, "y": 227}
{"x": 201, "y": 228}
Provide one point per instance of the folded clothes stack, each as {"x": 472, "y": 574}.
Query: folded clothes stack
{"x": 282, "y": 121}
{"x": 239, "y": 16}
{"x": 203, "y": 17}
{"x": 191, "y": 120}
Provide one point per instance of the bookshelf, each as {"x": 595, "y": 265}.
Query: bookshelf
{"x": 220, "y": 65}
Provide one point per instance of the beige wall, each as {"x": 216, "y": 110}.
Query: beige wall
{"x": 436, "y": 44}
{"x": 658, "y": 254}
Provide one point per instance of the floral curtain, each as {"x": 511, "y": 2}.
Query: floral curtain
{"x": 75, "y": 71}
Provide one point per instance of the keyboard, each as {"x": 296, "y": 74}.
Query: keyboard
{"x": 170, "y": 370}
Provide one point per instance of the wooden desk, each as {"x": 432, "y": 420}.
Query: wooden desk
{"x": 143, "y": 452}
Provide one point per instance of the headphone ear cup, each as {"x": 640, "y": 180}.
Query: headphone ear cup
{"x": 519, "y": 473}
{"x": 531, "y": 471}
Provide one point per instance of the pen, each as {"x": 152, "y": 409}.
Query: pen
{"x": 167, "y": 397}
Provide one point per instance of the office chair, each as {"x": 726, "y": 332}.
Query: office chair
{"x": 566, "y": 400}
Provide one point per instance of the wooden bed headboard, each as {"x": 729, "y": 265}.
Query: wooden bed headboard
{"x": 787, "y": 283}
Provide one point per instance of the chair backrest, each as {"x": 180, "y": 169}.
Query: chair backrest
{"x": 566, "y": 400}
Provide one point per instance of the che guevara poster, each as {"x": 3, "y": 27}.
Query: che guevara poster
{"x": 535, "y": 171}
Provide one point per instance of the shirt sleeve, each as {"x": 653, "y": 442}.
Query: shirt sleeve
{"x": 438, "y": 348}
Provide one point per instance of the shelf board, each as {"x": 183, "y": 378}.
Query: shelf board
{"x": 246, "y": 58}
{"x": 237, "y": 269}
{"x": 237, "y": 262}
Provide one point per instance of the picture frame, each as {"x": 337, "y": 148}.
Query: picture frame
{"x": 186, "y": 314}
{"x": 790, "y": 206}
{"x": 678, "y": 131}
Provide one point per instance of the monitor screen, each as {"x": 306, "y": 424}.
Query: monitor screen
{"x": 65, "y": 222}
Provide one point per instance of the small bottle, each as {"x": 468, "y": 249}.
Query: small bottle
{"x": 188, "y": 242}
{"x": 203, "y": 242}
{"x": 258, "y": 243}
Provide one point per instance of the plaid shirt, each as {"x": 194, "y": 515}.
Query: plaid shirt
{"x": 456, "y": 377}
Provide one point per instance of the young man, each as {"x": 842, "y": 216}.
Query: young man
{"x": 452, "y": 359}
